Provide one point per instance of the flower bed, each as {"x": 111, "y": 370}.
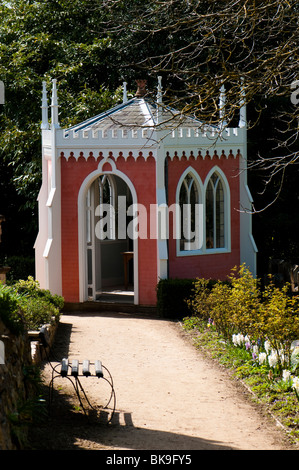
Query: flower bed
{"x": 256, "y": 333}
{"x": 264, "y": 355}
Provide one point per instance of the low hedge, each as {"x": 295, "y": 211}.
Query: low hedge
{"x": 24, "y": 305}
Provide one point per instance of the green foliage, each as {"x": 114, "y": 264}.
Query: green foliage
{"x": 24, "y": 305}
{"x": 42, "y": 40}
{"x": 220, "y": 309}
{"x": 240, "y": 307}
{"x": 29, "y": 411}
{"x": 10, "y": 309}
{"x": 276, "y": 391}
{"x": 200, "y": 301}
{"x": 279, "y": 318}
{"x": 31, "y": 288}
{"x": 244, "y": 302}
{"x": 38, "y": 305}
{"x": 36, "y": 312}
{"x": 191, "y": 323}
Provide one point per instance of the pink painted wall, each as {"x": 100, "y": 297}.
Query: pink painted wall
{"x": 142, "y": 174}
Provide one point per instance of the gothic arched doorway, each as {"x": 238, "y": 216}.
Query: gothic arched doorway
{"x": 107, "y": 254}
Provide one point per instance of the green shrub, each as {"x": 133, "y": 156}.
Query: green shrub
{"x": 10, "y": 309}
{"x": 25, "y": 305}
{"x": 240, "y": 307}
{"x": 245, "y": 302}
{"x": 38, "y": 305}
{"x": 31, "y": 287}
{"x": 279, "y": 321}
{"x": 199, "y": 303}
{"x": 219, "y": 301}
{"x": 37, "y": 312}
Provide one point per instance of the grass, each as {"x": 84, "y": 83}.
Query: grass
{"x": 268, "y": 388}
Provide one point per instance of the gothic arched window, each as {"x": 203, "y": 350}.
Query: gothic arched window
{"x": 190, "y": 214}
{"x": 105, "y": 227}
{"x": 215, "y": 213}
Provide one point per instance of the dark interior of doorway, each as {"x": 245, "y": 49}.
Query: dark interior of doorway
{"x": 123, "y": 290}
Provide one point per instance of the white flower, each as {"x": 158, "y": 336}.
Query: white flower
{"x": 286, "y": 375}
{"x": 238, "y": 339}
{"x": 255, "y": 350}
{"x": 295, "y": 383}
{"x": 262, "y": 358}
{"x": 267, "y": 346}
{"x": 282, "y": 356}
{"x": 272, "y": 359}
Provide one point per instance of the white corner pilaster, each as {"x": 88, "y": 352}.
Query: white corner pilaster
{"x": 48, "y": 243}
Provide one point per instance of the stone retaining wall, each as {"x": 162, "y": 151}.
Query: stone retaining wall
{"x": 15, "y": 389}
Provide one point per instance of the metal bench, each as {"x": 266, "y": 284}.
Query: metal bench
{"x": 73, "y": 370}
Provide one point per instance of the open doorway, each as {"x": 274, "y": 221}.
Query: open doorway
{"x": 109, "y": 249}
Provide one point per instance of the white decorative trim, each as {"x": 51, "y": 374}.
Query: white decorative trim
{"x": 104, "y": 153}
{"x": 207, "y": 152}
{"x": 47, "y": 248}
{"x": 110, "y": 162}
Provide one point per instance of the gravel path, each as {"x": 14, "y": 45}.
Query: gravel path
{"x": 168, "y": 397}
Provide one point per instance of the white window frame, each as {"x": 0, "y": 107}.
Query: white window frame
{"x": 202, "y": 188}
{"x": 199, "y": 187}
{"x": 111, "y": 235}
{"x": 227, "y": 212}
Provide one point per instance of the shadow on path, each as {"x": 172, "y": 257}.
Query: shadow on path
{"x": 70, "y": 430}
{"x": 67, "y": 428}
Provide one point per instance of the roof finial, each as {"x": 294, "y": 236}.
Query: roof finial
{"x": 159, "y": 99}
{"x": 54, "y": 106}
{"x": 159, "y": 88}
{"x": 125, "y": 97}
{"x": 243, "y": 117}
{"x": 222, "y": 102}
{"x": 45, "y": 122}
{"x": 141, "y": 88}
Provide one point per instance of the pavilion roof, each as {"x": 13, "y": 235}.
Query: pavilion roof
{"x": 137, "y": 113}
